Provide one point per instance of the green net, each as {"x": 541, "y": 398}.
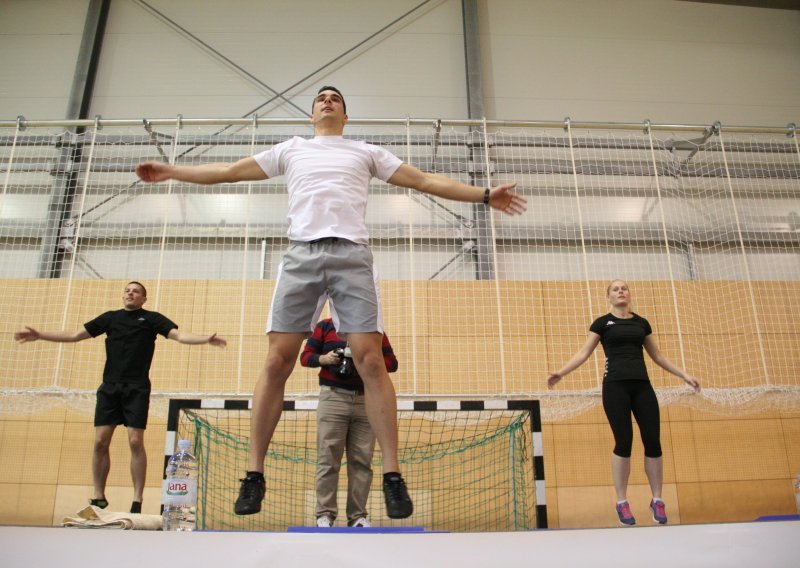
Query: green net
{"x": 467, "y": 470}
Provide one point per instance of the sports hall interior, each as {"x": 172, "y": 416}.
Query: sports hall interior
{"x": 729, "y": 456}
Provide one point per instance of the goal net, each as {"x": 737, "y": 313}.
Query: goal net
{"x": 704, "y": 225}
{"x": 470, "y": 466}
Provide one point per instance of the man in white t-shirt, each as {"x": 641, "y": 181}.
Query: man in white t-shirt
{"x": 327, "y": 178}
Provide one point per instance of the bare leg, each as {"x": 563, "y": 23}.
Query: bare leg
{"x": 138, "y": 462}
{"x": 654, "y": 468}
{"x": 101, "y": 461}
{"x": 268, "y": 394}
{"x": 380, "y": 398}
{"x": 620, "y": 472}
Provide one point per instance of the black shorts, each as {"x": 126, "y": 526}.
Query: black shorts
{"x": 122, "y": 403}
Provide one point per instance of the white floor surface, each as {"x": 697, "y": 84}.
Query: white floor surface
{"x": 768, "y": 544}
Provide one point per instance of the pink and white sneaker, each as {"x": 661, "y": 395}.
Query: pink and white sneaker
{"x": 624, "y": 514}
{"x": 659, "y": 511}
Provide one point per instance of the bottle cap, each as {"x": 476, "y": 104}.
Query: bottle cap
{"x": 184, "y": 445}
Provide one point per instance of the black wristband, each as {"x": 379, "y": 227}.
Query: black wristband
{"x": 486, "y": 196}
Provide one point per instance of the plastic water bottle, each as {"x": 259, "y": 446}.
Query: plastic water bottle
{"x": 180, "y": 490}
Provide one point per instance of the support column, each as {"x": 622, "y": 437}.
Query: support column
{"x": 56, "y": 240}
{"x": 484, "y": 260}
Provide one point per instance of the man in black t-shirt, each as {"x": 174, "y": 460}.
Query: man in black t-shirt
{"x": 124, "y": 395}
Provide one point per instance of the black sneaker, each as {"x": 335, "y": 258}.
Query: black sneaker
{"x": 398, "y": 503}
{"x": 251, "y": 493}
{"x": 100, "y": 503}
{"x": 136, "y": 507}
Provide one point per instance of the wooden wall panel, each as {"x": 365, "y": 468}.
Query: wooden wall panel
{"x": 669, "y": 346}
{"x": 594, "y": 415}
{"x": 525, "y": 364}
{"x": 582, "y": 454}
{"x": 729, "y": 450}
{"x": 175, "y": 299}
{"x": 522, "y": 308}
{"x": 561, "y": 348}
{"x": 791, "y": 434}
{"x": 406, "y": 308}
{"x": 258, "y": 298}
{"x": 781, "y": 302}
{"x": 782, "y": 354}
{"x": 553, "y": 520}
{"x": 26, "y": 503}
{"x": 568, "y": 308}
{"x": 662, "y": 315}
{"x": 457, "y": 367}
{"x": 82, "y": 364}
{"x": 473, "y": 302}
{"x": 75, "y": 455}
{"x": 726, "y": 467}
{"x": 413, "y": 364}
{"x": 724, "y": 361}
{"x": 25, "y": 447}
{"x": 721, "y": 360}
{"x": 731, "y": 501}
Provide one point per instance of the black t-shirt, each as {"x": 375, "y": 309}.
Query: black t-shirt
{"x": 130, "y": 342}
{"x": 623, "y": 341}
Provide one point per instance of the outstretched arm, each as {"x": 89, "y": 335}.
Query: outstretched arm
{"x": 31, "y": 334}
{"x": 500, "y": 198}
{"x": 192, "y": 339}
{"x": 246, "y": 169}
{"x": 577, "y": 360}
{"x": 661, "y": 360}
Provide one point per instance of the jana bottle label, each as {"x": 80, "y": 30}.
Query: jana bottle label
{"x": 180, "y": 492}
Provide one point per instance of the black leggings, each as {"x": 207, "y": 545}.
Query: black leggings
{"x": 620, "y": 398}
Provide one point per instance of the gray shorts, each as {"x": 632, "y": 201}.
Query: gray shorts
{"x": 332, "y": 269}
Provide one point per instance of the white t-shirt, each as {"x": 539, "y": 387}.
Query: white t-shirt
{"x": 328, "y": 181}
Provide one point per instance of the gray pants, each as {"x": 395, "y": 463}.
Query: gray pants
{"x": 331, "y": 268}
{"x": 342, "y": 424}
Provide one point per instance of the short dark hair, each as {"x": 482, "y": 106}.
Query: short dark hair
{"x": 330, "y": 88}
{"x": 140, "y": 285}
